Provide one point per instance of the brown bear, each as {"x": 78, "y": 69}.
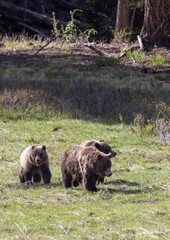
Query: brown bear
{"x": 102, "y": 146}
{"x": 86, "y": 164}
{"x": 34, "y": 163}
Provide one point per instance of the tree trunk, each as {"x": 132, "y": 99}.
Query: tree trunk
{"x": 133, "y": 16}
{"x": 122, "y": 19}
{"x": 156, "y": 24}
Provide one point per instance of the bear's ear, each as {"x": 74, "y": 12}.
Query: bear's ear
{"x": 97, "y": 145}
{"x": 101, "y": 140}
{"x": 33, "y": 147}
{"x": 100, "y": 157}
{"x": 44, "y": 147}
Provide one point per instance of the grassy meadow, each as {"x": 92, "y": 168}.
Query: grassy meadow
{"x": 83, "y": 97}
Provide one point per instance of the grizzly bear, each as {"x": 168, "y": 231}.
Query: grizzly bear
{"x": 102, "y": 146}
{"x": 86, "y": 164}
{"x": 34, "y": 163}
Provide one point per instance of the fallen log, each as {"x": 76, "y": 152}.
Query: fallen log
{"x": 18, "y": 17}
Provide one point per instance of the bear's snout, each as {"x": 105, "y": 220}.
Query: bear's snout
{"x": 113, "y": 153}
{"x": 38, "y": 160}
{"x": 108, "y": 173}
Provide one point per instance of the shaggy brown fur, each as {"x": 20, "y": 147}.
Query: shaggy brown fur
{"x": 34, "y": 163}
{"x": 102, "y": 146}
{"x": 86, "y": 163}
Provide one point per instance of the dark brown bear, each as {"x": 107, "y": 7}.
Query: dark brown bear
{"x": 86, "y": 164}
{"x": 102, "y": 146}
{"x": 34, "y": 163}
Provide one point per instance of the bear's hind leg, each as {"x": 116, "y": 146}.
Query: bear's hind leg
{"x": 21, "y": 175}
{"x": 36, "y": 177}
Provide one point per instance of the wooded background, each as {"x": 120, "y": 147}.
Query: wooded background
{"x": 108, "y": 17}
{"x": 35, "y": 17}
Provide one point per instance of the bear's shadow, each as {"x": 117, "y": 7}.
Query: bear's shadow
{"x": 125, "y": 184}
{"x": 101, "y": 187}
{"x": 125, "y": 191}
{"x": 34, "y": 185}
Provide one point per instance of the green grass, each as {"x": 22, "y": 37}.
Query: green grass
{"x": 133, "y": 204}
{"x": 84, "y": 98}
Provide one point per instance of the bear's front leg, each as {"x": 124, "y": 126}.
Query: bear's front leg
{"x": 46, "y": 173}
{"x": 89, "y": 181}
{"x": 25, "y": 176}
{"x": 36, "y": 178}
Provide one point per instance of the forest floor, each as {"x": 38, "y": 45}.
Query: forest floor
{"x": 155, "y": 61}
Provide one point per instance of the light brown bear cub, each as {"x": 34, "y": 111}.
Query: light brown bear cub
{"x": 102, "y": 146}
{"x": 34, "y": 164}
{"x": 86, "y": 164}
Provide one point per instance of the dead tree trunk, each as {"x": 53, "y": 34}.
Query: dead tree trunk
{"x": 156, "y": 24}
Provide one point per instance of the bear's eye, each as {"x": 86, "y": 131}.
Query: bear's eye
{"x": 106, "y": 151}
{"x": 40, "y": 155}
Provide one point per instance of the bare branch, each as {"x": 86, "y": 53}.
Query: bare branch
{"x": 53, "y": 38}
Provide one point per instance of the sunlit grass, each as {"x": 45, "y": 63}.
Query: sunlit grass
{"x": 132, "y": 204}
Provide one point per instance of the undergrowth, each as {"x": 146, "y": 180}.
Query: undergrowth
{"x": 141, "y": 57}
{"x": 71, "y": 33}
